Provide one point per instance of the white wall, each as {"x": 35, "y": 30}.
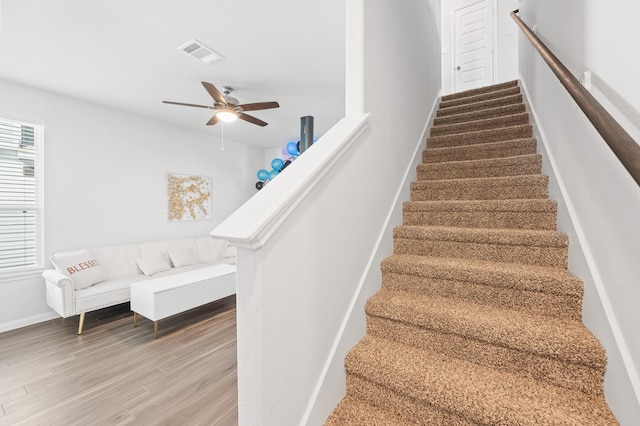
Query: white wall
{"x": 602, "y": 200}
{"x": 298, "y": 286}
{"x": 505, "y": 42}
{"x": 105, "y": 181}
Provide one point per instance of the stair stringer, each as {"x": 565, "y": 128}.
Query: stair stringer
{"x": 331, "y": 384}
{"x": 622, "y": 381}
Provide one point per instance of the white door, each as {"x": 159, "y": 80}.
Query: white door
{"x": 473, "y": 48}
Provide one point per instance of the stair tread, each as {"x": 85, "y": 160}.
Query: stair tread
{"x": 500, "y": 93}
{"x": 518, "y": 205}
{"x": 486, "y": 162}
{"x": 545, "y": 292}
{"x": 509, "y": 187}
{"x": 477, "y": 137}
{"x": 491, "y": 103}
{"x": 478, "y": 393}
{"x": 490, "y": 150}
{"x": 509, "y": 213}
{"x": 520, "y": 180}
{"x": 482, "y": 113}
{"x": 481, "y": 124}
{"x": 510, "y": 245}
{"x": 356, "y": 412}
{"x": 528, "y": 237}
{"x": 498, "y": 274}
{"x": 484, "y": 146}
{"x": 485, "y": 89}
{"x": 551, "y": 337}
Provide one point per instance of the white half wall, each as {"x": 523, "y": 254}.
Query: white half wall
{"x": 105, "y": 181}
{"x": 310, "y": 243}
{"x": 602, "y": 200}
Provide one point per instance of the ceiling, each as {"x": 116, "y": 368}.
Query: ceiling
{"x": 124, "y": 54}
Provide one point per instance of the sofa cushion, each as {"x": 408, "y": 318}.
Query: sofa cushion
{"x": 152, "y": 264}
{"x": 183, "y": 256}
{"x": 165, "y": 246}
{"x": 81, "y": 266}
{"x": 210, "y": 250}
{"x": 106, "y": 293}
{"x": 119, "y": 261}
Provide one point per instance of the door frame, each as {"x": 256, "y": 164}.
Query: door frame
{"x": 459, "y": 4}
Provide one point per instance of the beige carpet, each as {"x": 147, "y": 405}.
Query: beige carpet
{"x": 478, "y": 320}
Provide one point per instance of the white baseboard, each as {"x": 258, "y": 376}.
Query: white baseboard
{"x": 23, "y": 322}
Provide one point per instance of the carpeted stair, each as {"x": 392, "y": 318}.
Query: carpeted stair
{"x": 478, "y": 320}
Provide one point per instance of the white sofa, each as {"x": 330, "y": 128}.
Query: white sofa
{"x": 90, "y": 279}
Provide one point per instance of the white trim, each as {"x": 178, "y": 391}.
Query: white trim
{"x": 461, "y": 4}
{"x": 19, "y": 274}
{"x": 276, "y": 201}
{"x": 494, "y": 52}
{"x": 37, "y": 205}
{"x": 452, "y": 49}
{"x": 23, "y": 322}
{"x": 623, "y": 349}
{"x": 385, "y": 231}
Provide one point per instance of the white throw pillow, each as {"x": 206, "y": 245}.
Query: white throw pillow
{"x": 210, "y": 250}
{"x": 81, "y": 266}
{"x": 182, "y": 256}
{"x": 152, "y": 264}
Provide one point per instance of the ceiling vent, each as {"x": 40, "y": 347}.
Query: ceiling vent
{"x": 200, "y": 51}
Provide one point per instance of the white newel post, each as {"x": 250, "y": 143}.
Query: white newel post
{"x": 248, "y": 301}
{"x": 286, "y": 310}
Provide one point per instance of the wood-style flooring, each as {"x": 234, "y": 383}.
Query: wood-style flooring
{"x": 115, "y": 374}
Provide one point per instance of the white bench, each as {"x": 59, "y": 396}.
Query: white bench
{"x": 159, "y": 298}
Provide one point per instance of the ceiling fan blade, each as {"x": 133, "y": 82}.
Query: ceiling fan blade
{"x": 251, "y": 119}
{"x": 215, "y": 93}
{"x": 190, "y": 105}
{"x": 213, "y": 120}
{"x": 259, "y": 105}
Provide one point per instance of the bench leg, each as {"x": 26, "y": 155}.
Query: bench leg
{"x": 135, "y": 320}
{"x": 81, "y": 323}
{"x": 155, "y": 329}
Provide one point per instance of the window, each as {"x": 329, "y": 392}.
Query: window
{"x": 21, "y": 197}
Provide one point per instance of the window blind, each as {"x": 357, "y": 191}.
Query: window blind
{"x": 21, "y": 196}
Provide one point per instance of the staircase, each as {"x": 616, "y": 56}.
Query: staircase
{"x": 478, "y": 320}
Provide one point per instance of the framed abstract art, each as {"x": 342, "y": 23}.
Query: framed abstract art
{"x": 188, "y": 197}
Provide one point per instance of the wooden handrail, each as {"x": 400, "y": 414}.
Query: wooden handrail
{"x": 621, "y": 143}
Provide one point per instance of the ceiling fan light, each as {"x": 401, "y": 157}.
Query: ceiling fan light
{"x": 227, "y": 116}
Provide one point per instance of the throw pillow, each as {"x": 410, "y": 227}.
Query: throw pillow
{"x": 182, "y": 256}
{"x": 210, "y": 250}
{"x": 81, "y": 266}
{"x": 152, "y": 264}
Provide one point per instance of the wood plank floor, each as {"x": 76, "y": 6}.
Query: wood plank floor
{"x": 115, "y": 374}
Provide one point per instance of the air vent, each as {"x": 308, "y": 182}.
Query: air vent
{"x": 200, "y": 51}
